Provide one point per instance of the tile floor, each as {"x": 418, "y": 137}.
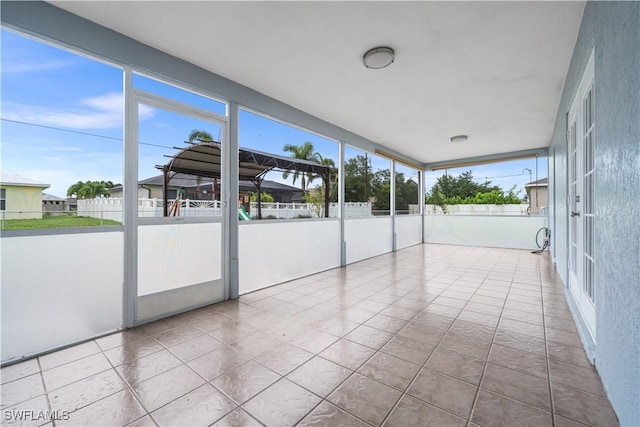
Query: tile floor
{"x": 430, "y": 335}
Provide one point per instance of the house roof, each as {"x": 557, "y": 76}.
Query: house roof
{"x": 539, "y": 183}
{"x": 7, "y": 178}
{"x": 51, "y": 198}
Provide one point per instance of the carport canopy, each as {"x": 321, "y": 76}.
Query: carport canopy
{"x": 204, "y": 159}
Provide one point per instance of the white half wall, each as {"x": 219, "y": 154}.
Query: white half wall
{"x": 517, "y": 232}
{"x": 172, "y": 256}
{"x": 408, "y": 230}
{"x": 59, "y": 289}
{"x": 275, "y": 252}
{"x": 367, "y": 237}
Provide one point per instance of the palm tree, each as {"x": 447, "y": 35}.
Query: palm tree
{"x": 89, "y": 189}
{"x": 329, "y": 181}
{"x": 302, "y": 152}
{"x": 75, "y": 189}
{"x": 200, "y": 136}
{"x": 325, "y": 161}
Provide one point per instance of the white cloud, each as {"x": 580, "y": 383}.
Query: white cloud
{"x": 33, "y": 66}
{"x": 96, "y": 113}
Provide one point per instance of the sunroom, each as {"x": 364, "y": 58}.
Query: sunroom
{"x": 363, "y": 310}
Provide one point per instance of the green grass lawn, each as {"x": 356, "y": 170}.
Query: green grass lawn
{"x": 58, "y": 221}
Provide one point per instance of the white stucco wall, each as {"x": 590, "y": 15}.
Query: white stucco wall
{"x": 612, "y": 31}
{"x": 516, "y": 232}
{"x": 272, "y": 252}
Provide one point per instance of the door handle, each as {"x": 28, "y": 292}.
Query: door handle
{"x": 575, "y": 214}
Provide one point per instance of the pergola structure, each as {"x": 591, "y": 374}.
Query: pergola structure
{"x": 204, "y": 159}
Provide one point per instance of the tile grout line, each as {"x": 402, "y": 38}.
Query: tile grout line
{"x": 546, "y": 352}
{"x": 323, "y": 399}
{"x": 127, "y": 385}
{"x": 363, "y": 363}
{"x": 422, "y": 367}
{"x": 486, "y": 362}
{"x": 46, "y": 392}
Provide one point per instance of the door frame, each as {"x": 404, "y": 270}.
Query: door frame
{"x": 132, "y": 99}
{"x": 576, "y": 207}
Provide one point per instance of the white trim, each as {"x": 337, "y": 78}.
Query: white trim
{"x": 151, "y": 75}
{"x": 576, "y": 281}
{"x": 130, "y": 196}
{"x": 177, "y": 107}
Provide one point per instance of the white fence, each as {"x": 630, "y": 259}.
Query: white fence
{"x": 295, "y": 210}
{"x": 520, "y": 209}
{"x": 111, "y": 208}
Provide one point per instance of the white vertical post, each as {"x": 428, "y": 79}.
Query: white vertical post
{"x": 423, "y": 190}
{"x": 392, "y": 205}
{"x": 341, "y": 207}
{"x": 130, "y": 202}
{"x": 230, "y": 194}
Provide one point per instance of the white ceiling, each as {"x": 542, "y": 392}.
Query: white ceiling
{"x": 492, "y": 70}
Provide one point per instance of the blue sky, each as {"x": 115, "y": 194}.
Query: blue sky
{"x": 70, "y": 113}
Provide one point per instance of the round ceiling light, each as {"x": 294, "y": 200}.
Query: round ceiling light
{"x": 459, "y": 138}
{"x": 378, "y": 57}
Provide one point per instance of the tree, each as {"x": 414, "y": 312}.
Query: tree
{"x": 462, "y": 186}
{"x": 90, "y": 189}
{"x": 462, "y": 190}
{"x": 315, "y": 197}
{"x": 380, "y": 183}
{"x": 357, "y": 179}
{"x": 332, "y": 177}
{"x": 406, "y": 193}
{"x": 264, "y": 197}
{"x": 200, "y": 136}
{"x": 302, "y": 152}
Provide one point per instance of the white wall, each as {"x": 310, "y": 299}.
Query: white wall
{"x": 408, "y": 230}
{"x": 367, "y": 237}
{"x": 59, "y": 289}
{"x": 516, "y": 232}
{"x": 172, "y": 256}
{"x": 275, "y": 252}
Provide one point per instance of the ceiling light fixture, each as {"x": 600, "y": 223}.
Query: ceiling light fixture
{"x": 459, "y": 138}
{"x": 378, "y": 57}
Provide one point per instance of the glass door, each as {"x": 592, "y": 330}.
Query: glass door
{"x": 581, "y": 200}
{"x": 179, "y": 214}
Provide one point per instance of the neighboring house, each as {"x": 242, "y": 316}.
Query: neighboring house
{"x": 53, "y": 204}
{"x": 20, "y": 197}
{"x": 72, "y": 203}
{"x": 208, "y": 189}
{"x": 537, "y": 194}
